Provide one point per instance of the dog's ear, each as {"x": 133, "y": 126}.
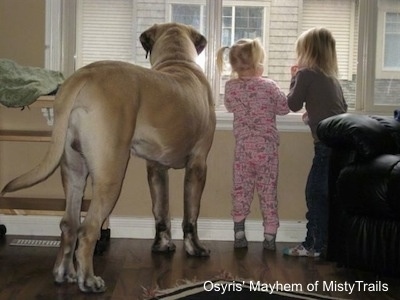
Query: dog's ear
{"x": 147, "y": 39}
{"x": 199, "y": 41}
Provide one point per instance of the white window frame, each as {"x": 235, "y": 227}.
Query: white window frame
{"x": 60, "y": 36}
{"x": 267, "y": 9}
{"x": 57, "y": 41}
{"x": 53, "y": 35}
{"x": 367, "y": 70}
{"x": 381, "y": 71}
{"x": 266, "y": 18}
{"x": 169, "y": 3}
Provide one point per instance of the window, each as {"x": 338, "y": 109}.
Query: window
{"x": 387, "y": 77}
{"x": 381, "y": 76}
{"x": 239, "y": 20}
{"x": 367, "y": 37}
{"x": 318, "y": 13}
{"x": 189, "y": 14}
{"x": 391, "y": 57}
{"x": 104, "y": 35}
{"x": 242, "y": 22}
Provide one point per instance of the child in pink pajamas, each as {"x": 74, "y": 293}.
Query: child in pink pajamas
{"x": 254, "y": 102}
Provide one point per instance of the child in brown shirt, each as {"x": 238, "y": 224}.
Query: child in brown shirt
{"x": 315, "y": 84}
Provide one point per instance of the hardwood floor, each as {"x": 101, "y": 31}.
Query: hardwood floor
{"x": 128, "y": 266}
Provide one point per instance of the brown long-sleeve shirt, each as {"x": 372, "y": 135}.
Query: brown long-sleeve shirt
{"x": 321, "y": 94}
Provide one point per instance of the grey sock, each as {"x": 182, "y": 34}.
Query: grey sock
{"x": 240, "y": 235}
{"x": 238, "y": 226}
{"x": 269, "y": 241}
{"x": 269, "y": 237}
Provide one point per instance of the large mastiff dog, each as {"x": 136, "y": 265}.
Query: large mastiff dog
{"x": 108, "y": 110}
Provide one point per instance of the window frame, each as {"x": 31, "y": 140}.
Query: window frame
{"x": 385, "y": 35}
{"x": 368, "y": 52}
{"x": 58, "y": 55}
{"x": 381, "y": 71}
{"x": 169, "y": 3}
{"x": 266, "y": 7}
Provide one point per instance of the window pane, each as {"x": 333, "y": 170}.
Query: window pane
{"x": 187, "y": 14}
{"x": 227, "y": 26}
{"x": 387, "y": 70}
{"x": 248, "y": 22}
{"x": 392, "y": 50}
{"x": 392, "y": 41}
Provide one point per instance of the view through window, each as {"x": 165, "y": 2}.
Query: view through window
{"x": 367, "y": 37}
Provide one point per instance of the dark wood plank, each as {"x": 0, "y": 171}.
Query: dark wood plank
{"x": 25, "y": 136}
{"x": 128, "y": 266}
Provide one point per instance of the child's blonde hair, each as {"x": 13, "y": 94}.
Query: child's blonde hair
{"x": 245, "y": 54}
{"x": 316, "y": 49}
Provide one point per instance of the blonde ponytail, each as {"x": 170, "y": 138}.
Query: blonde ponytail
{"x": 220, "y": 58}
{"x": 245, "y": 54}
{"x": 258, "y": 53}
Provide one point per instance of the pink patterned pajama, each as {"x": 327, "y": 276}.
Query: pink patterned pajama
{"x": 256, "y": 167}
{"x": 255, "y": 102}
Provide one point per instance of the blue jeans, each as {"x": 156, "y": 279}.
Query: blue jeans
{"x": 317, "y": 199}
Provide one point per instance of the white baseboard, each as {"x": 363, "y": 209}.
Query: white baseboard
{"x": 143, "y": 228}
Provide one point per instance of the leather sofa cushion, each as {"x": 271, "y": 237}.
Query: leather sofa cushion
{"x": 371, "y": 188}
{"x": 368, "y": 136}
{"x": 370, "y": 244}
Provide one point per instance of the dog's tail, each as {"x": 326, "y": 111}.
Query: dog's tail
{"x": 63, "y": 105}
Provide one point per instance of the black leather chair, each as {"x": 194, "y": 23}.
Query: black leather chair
{"x": 3, "y": 231}
{"x": 364, "y": 223}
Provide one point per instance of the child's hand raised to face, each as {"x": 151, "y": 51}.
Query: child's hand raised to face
{"x": 305, "y": 118}
{"x": 293, "y": 70}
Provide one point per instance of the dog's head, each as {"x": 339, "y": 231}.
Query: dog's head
{"x": 151, "y": 35}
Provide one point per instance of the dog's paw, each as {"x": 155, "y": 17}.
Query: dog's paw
{"x": 195, "y": 249}
{"x": 93, "y": 284}
{"x": 163, "y": 242}
{"x": 60, "y": 276}
{"x": 159, "y": 246}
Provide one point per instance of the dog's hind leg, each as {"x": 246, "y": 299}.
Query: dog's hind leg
{"x": 157, "y": 176}
{"x": 107, "y": 173}
{"x": 195, "y": 178}
{"x": 74, "y": 175}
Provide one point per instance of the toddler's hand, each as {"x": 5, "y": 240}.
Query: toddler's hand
{"x": 293, "y": 70}
{"x": 305, "y": 118}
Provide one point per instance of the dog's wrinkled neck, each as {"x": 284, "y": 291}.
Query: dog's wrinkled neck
{"x": 160, "y": 65}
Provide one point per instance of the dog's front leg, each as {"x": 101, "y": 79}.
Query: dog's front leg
{"x": 195, "y": 178}
{"x": 157, "y": 176}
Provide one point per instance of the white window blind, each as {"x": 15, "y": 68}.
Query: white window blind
{"x": 339, "y": 17}
{"x": 105, "y": 30}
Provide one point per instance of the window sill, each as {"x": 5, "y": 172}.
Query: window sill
{"x": 291, "y": 122}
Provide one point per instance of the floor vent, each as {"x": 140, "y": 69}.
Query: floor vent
{"x": 35, "y": 243}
